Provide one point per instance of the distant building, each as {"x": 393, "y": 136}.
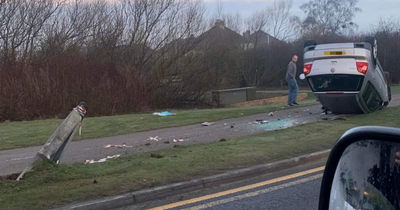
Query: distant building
{"x": 262, "y": 38}
{"x": 217, "y": 35}
{"x": 220, "y": 34}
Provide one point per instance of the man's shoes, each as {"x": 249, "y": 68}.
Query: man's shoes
{"x": 290, "y": 105}
{"x": 295, "y": 103}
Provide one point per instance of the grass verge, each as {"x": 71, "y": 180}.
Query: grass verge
{"x": 395, "y": 89}
{"x": 54, "y": 185}
{"x": 31, "y": 133}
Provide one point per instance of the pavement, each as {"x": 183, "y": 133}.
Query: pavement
{"x": 14, "y": 161}
{"x": 294, "y": 188}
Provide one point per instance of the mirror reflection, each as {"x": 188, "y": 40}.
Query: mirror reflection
{"x": 367, "y": 177}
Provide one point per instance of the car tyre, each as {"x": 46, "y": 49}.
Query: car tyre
{"x": 374, "y": 47}
{"x": 385, "y": 104}
{"x": 310, "y": 42}
{"x": 389, "y": 90}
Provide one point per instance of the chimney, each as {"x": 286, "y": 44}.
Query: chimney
{"x": 219, "y": 23}
{"x": 246, "y": 35}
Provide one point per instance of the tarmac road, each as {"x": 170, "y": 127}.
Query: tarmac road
{"x": 296, "y": 188}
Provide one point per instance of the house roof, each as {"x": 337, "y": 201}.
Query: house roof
{"x": 219, "y": 33}
{"x": 261, "y": 36}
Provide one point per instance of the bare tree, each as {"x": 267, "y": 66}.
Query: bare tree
{"x": 387, "y": 32}
{"x": 21, "y": 23}
{"x": 282, "y": 23}
{"x": 326, "y": 17}
{"x": 233, "y": 21}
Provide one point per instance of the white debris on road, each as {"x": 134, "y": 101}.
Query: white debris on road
{"x": 154, "y": 138}
{"x": 117, "y": 146}
{"x": 101, "y": 160}
{"x": 207, "y": 123}
{"x": 178, "y": 140}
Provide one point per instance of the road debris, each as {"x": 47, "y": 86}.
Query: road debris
{"x": 207, "y": 123}
{"x": 147, "y": 144}
{"x": 222, "y": 140}
{"x": 153, "y": 155}
{"x": 101, "y": 160}
{"x": 271, "y": 114}
{"x": 306, "y": 110}
{"x": 153, "y": 138}
{"x": 166, "y": 142}
{"x": 335, "y": 118}
{"x": 117, "y": 146}
{"x": 165, "y": 113}
{"x": 225, "y": 123}
{"x": 259, "y": 122}
{"x": 232, "y": 126}
{"x": 178, "y": 140}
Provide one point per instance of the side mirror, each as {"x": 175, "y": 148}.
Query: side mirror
{"x": 302, "y": 76}
{"x": 363, "y": 171}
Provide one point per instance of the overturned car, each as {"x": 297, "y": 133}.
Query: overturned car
{"x": 346, "y": 78}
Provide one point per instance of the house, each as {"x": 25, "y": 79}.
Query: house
{"x": 258, "y": 38}
{"x": 261, "y": 38}
{"x": 219, "y": 35}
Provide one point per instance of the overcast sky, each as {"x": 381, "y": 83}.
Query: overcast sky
{"x": 372, "y": 10}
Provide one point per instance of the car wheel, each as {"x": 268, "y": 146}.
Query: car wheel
{"x": 374, "y": 47}
{"x": 309, "y": 43}
{"x": 385, "y": 104}
{"x": 389, "y": 90}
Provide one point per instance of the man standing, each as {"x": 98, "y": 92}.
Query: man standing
{"x": 292, "y": 83}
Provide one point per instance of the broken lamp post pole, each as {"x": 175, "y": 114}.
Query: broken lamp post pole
{"x": 57, "y": 143}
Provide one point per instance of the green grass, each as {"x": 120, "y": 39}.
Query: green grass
{"x": 54, "y": 185}
{"x": 30, "y": 133}
{"x": 395, "y": 89}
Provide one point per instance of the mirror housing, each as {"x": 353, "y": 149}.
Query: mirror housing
{"x": 384, "y": 134}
